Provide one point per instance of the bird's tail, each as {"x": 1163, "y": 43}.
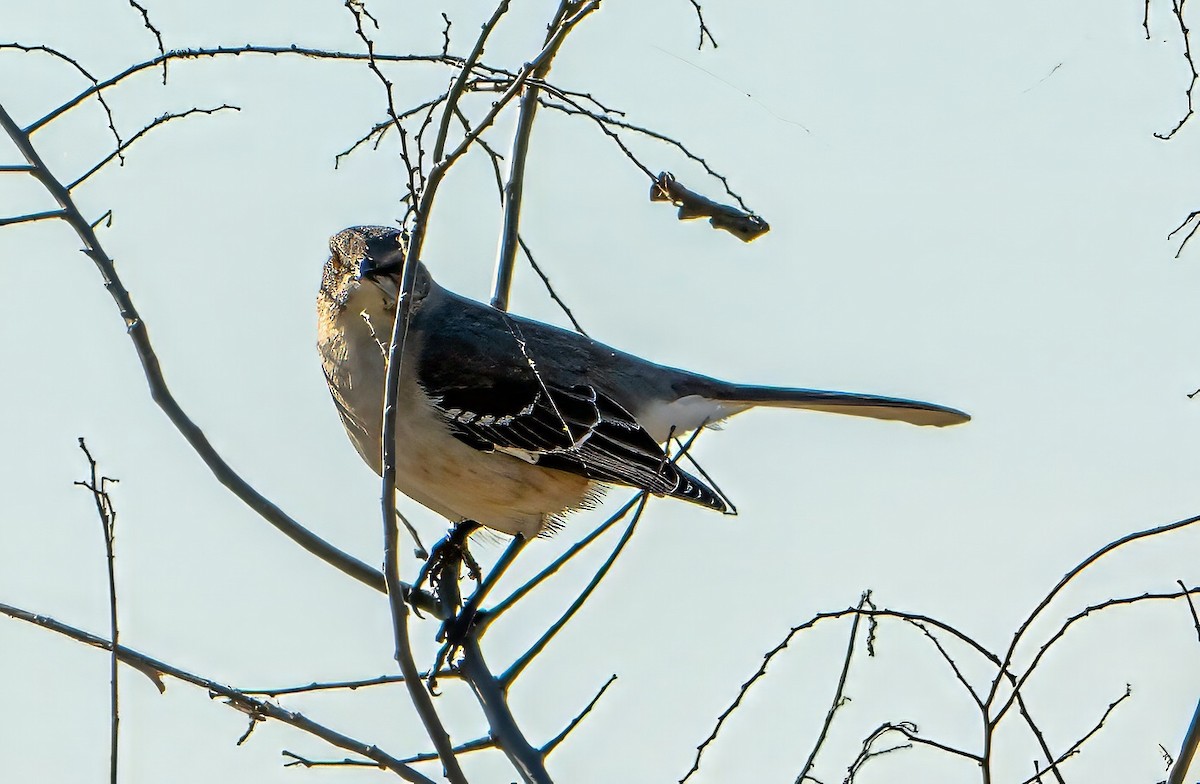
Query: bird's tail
{"x": 912, "y": 411}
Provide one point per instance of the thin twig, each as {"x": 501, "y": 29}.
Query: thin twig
{"x": 838, "y": 694}
{"x": 604, "y": 120}
{"x": 33, "y": 217}
{"x": 1037, "y": 734}
{"x": 1071, "y": 621}
{"x": 549, "y": 288}
{"x": 237, "y": 51}
{"x": 297, "y": 760}
{"x": 107, "y": 514}
{"x": 352, "y": 685}
{"x": 154, "y": 30}
{"x": 704, "y": 31}
{"x": 1191, "y": 739}
{"x": 770, "y": 655}
{"x": 1075, "y": 747}
{"x": 517, "y": 667}
{"x": 161, "y": 120}
{"x": 1068, "y": 577}
{"x": 529, "y": 585}
{"x": 1177, "y": 8}
{"x": 380, "y": 129}
{"x": 233, "y": 697}
{"x": 112, "y": 126}
{"x": 950, "y": 661}
{"x": 454, "y": 94}
{"x": 515, "y": 746}
{"x": 1195, "y": 227}
{"x": 506, "y": 255}
{"x": 554, "y": 742}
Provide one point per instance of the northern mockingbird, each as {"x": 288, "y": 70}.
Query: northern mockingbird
{"x": 512, "y": 423}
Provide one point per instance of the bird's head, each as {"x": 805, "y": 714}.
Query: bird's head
{"x": 369, "y": 255}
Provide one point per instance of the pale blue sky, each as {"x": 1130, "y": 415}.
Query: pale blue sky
{"x": 967, "y": 205}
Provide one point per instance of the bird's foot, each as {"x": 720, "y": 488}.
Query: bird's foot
{"x": 446, "y": 559}
{"x": 443, "y": 569}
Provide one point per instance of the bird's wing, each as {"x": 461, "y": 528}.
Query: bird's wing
{"x": 576, "y": 429}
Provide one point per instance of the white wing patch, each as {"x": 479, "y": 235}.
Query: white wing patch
{"x": 662, "y": 419}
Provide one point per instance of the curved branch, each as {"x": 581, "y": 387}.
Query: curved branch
{"x": 236, "y": 699}
{"x": 161, "y": 393}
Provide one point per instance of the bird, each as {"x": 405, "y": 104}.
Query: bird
{"x": 511, "y": 423}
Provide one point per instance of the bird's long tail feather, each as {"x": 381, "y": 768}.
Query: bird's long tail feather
{"x": 911, "y": 411}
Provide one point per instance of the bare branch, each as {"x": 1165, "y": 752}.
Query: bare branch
{"x": 816, "y": 619}
{"x": 33, "y": 217}
{"x": 1191, "y": 740}
{"x": 1191, "y": 607}
{"x": 704, "y": 31}
{"x": 1195, "y": 227}
{"x": 1067, "y": 624}
{"x": 517, "y": 667}
{"x": 297, "y": 760}
{"x": 549, "y": 288}
{"x": 573, "y": 108}
{"x": 554, "y": 742}
{"x": 506, "y": 255}
{"x": 112, "y": 126}
{"x": 155, "y": 31}
{"x": 379, "y": 130}
{"x": 910, "y": 731}
{"x": 1067, "y": 578}
{"x": 950, "y": 661}
{"x": 458, "y": 87}
{"x": 160, "y": 120}
{"x": 551, "y": 569}
{"x": 1075, "y": 747}
{"x": 446, "y": 35}
{"x": 362, "y": 683}
{"x": 1177, "y": 8}
{"x": 838, "y": 694}
{"x": 1037, "y": 734}
{"x": 107, "y": 514}
{"x": 233, "y": 697}
{"x": 237, "y": 51}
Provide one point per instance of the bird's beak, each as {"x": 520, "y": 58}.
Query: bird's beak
{"x": 382, "y": 253}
